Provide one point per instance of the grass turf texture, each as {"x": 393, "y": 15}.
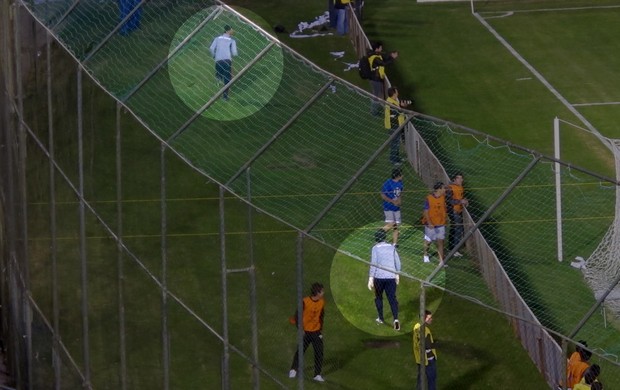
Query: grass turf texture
{"x": 147, "y": 250}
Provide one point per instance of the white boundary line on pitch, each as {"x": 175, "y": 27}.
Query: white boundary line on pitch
{"x": 544, "y": 81}
{"x": 595, "y": 104}
{"x": 593, "y": 7}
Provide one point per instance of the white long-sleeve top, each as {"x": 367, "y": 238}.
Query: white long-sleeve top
{"x": 384, "y": 255}
{"x": 223, "y": 47}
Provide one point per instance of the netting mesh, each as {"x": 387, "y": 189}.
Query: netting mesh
{"x": 300, "y": 145}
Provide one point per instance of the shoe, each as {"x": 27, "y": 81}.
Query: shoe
{"x": 457, "y": 254}
{"x": 292, "y": 374}
{"x": 396, "y": 325}
{"x": 319, "y": 378}
{"x": 427, "y": 259}
{"x": 379, "y": 321}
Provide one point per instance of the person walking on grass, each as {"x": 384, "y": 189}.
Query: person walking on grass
{"x": 383, "y": 276}
{"x": 223, "y": 49}
{"x": 312, "y": 322}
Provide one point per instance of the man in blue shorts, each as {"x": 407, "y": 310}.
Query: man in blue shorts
{"x": 391, "y": 194}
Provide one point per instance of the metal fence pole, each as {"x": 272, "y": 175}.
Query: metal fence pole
{"x": 22, "y": 252}
{"x": 164, "y": 273}
{"x": 119, "y": 248}
{"x": 82, "y": 232}
{"x": 56, "y": 360}
{"x": 253, "y": 300}
{"x": 226, "y": 353}
{"x": 300, "y": 310}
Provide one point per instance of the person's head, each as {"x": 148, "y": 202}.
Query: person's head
{"x": 393, "y": 92}
{"x": 584, "y": 354}
{"x": 595, "y": 369}
{"x": 377, "y": 47}
{"x": 316, "y": 289}
{"x": 439, "y": 188}
{"x": 397, "y": 174}
{"x": 589, "y": 377}
{"x": 428, "y": 316}
{"x": 228, "y": 30}
{"x": 457, "y": 178}
{"x": 380, "y": 235}
{"x": 596, "y": 386}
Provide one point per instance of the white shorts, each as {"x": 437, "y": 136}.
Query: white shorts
{"x": 434, "y": 234}
{"x": 392, "y": 216}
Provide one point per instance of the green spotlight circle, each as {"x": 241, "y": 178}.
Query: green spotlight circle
{"x": 349, "y": 279}
{"x": 192, "y": 68}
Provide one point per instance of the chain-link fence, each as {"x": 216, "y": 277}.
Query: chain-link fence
{"x": 123, "y": 269}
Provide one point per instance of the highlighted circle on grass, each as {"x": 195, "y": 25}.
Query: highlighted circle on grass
{"x": 192, "y": 68}
{"x": 349, "y": 279}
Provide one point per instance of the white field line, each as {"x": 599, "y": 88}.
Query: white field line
{"x": 595, "y": 104}
{"x": 546, "y": 83}
{"x": 592, "y": 7}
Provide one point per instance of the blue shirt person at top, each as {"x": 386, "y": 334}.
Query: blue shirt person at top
{"x": 223, "y": 49}
{"x": 391, "y": 194}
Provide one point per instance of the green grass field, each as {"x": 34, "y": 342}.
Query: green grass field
{"x": 453, "y": 67}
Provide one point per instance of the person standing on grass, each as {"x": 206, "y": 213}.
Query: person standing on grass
{"x": 223, "y": 49}
{"x": 391, "y": 192}
{"x": 383, "y": 277}
{"x": 577, "y": 364}
{"x": 435, "y": 220}
{"x": 342, "y": 22}
{"x": 394, "y": 119}
{"x": 378, "y": 61}
{"x": 456, "y": 202}
{"x": 430, "y": 355}
{"x": 312, "y": 322}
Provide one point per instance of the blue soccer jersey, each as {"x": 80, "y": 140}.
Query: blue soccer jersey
{"x": 392, "y": 189}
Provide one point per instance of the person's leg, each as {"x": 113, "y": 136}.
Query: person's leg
{"x": 390, "y": 291}
{"x": 458, "y": 228}
{"x": 295, "y": 364}
{"x": 439, "y": 243}
{"x": 226, "y": 75}
{"x": 317, "y": 344}
{"x": 376, "y": 108}
{"x": 333, "y": 15}
{"x": 219, "y": 71}
{"x": 394, "y": 147}
{"x": 340, "y": 27}
{"x": 431, "y": 375}
{"x": 379, "y": 287}
{"x": 451, "y": 232}
{"x": 419, "y": 380}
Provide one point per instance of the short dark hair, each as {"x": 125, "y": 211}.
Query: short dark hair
{"x": 316, "y": 288}
{"x": 391, "y": 91}
{"x": 396, "y": 172}
{"x": 589, "y": 377}
{"x": 227, "y": 28}
{"x": 377, "y": 45}
{"x": 438, "y": 185}
{"x": 427, "y": 312}
{"x": 595, "y": 369}
{"x": 380, "y": 235}
{"x": 584, "y": 354}
{"x": 455, "y": 174}
{"x": 596, "y": 386}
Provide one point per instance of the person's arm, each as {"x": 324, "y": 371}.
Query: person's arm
{"x": 396, "y": 261}
{"x": 427, "y": 216}
{"x": 213, "y": 47}
{"x": 233, "y": 48}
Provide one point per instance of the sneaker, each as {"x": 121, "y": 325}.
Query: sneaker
{"x": 379, "y": 321}
{"x": 457, "y": 254}
{"x": 427, "y": 259}
{"x": 319, "y": 378}
{"x": 292, "y": 374}
{"x": 396, "y": 325}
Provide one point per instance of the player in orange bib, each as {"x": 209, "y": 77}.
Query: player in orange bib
{"x": 435, "y": 216}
